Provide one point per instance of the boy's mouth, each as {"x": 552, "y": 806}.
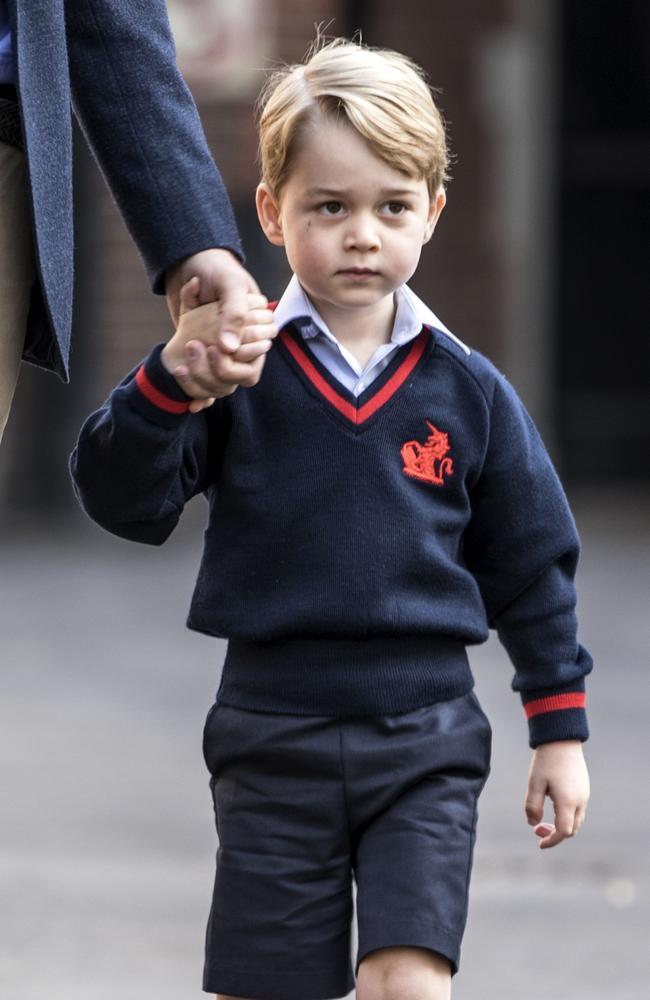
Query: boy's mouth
{"x": 358, "y": 272}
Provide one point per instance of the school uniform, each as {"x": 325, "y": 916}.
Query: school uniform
{"x": 359, "y": 538}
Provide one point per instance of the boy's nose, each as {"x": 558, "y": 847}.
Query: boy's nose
{"x": 362, "y": 234}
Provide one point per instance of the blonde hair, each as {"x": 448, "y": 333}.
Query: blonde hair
{"x": 380, "y": 93}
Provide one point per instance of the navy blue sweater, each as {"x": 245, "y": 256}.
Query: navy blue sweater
{"x": 355, "y": 547}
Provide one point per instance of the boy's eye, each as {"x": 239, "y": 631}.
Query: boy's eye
{"x": 395, "y": 207}
{"x": 331, "y": 207}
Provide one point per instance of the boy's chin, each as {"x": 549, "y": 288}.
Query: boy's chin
{"x": 357, "y": 299}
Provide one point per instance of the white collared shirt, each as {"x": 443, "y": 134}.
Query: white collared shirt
{"x": 410, "y": 316}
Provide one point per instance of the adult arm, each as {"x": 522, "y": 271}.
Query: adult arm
{"x": 143, "y": 127}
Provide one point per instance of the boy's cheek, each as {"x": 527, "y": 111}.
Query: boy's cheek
{"x": 309, "y": 256}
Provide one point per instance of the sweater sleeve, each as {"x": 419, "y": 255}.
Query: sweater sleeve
{"x": 142, "y": 125}
{"x": 142, "y": 455}
{"x": 522, "y": 547}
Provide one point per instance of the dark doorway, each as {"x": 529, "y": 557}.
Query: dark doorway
{"x": 603, "y": 280}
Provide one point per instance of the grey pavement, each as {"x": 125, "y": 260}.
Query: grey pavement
{"x": 106, "y": 833}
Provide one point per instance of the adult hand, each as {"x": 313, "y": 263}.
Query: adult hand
{"x": 222, "y": 279}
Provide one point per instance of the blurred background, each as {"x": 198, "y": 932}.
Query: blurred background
{"x": 106, "y": 839}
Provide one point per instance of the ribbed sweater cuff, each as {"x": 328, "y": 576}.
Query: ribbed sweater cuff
{"x": 556, "y": 713}
{"x": 156, "y": 394}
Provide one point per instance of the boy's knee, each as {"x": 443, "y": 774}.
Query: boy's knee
{"x": 404, "y": 974}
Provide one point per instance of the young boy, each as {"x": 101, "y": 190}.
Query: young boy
{"x": 378, "y": 499}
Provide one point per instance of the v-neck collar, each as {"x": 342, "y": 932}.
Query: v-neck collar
{"x": 356, "y": 410}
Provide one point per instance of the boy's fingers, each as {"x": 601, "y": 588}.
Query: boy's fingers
{"x": 253, "y": 333}
{"x": 195, "y": 375}
{"x": 194, "y": 389}
{"x": 226, "y": 369}
{"x": 580, "y": 818}
{"x": 568, "y": 821}
{"x": 256, "y": 301}
{"x": 548, "y": 835}
{"x": 202, "y": 368}
{"x": 258, "y": 325}
{"x": 201, "y": 404}
{"x": 259, "y": 317}
{"x": 534, "y": 804}
{"x": 196, "y": 362}
{"x": 565, "y": 819}
{"x": 208, "y": 371}
{"x": 250, "y": 352}
{"x": 256, "y": 368}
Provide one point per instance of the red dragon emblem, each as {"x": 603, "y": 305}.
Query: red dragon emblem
{"x": 428, "y": 461}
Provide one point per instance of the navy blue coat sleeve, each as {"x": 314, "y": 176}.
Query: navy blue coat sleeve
{"x": 143, "y": 127}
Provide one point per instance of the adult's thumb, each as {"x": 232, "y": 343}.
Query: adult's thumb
{"x": 190, "y": 295}
{"x": 233, "y": 306}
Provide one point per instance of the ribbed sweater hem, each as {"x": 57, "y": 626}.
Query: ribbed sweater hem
{"x": 344, "y": 677}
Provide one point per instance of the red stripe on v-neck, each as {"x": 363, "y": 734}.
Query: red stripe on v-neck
{"x": 396, "y": 379}
{"x": 361, "y": 414}
{"x": 314, "y": 376}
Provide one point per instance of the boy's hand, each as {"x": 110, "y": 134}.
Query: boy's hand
{"x": 558, "y": 770}
{"x": 205, "y": 369}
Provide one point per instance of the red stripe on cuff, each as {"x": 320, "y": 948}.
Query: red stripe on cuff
{"x": 556, "y": 703}
{"x": 158, "y": 399}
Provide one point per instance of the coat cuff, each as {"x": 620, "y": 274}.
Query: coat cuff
{"x": 556, "y": 713}
{"x": 156, "y": 394}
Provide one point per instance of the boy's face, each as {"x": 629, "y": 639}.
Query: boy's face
{"x": 352, "y": 226}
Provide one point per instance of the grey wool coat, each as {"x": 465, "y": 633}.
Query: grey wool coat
{"x": 113, "y": 63}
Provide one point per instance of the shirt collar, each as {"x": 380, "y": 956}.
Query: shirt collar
{"x": 411, "y": 315}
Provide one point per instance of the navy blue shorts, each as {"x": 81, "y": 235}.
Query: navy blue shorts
{"x": 306, "y": 804}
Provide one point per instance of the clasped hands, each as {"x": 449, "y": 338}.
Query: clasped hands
{"x": 218, "y": 345}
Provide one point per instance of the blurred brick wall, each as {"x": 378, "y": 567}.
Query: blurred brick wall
{"x": 461, "y": 272}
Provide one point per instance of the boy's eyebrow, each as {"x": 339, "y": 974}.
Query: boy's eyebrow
{"x": 319, "y": 192}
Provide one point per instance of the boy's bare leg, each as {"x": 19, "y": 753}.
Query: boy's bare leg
{"x": 399, "y": 974}
{"x": 404, "y": 974}
{"x": 16, "y": 270}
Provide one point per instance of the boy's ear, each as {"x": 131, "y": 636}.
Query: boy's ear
{"x": 268, "y": 212}
{"x": 436, "y": 206}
